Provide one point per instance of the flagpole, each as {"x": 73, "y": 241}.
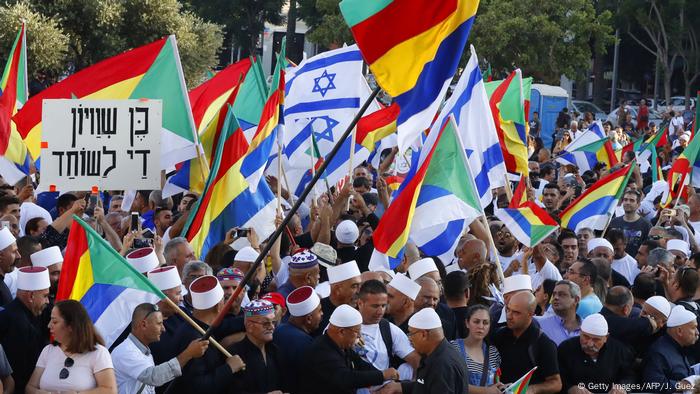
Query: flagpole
{"x": 279, "y": 174}
{"x": 509, "y": 191}
{"x": 499, "y": 268}
{"x": 196, "y": 326}
{"x": 311, "y": 152}
{"x": 352, "y": 158}
{"x": 290, "y": 214}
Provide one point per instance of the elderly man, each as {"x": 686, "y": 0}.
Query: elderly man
{"x": 190, "y": 272}
{"x": 178, "y": 252}
{"x": 263, "y": 372}
{"x": 345, "y": 284}
{"x": 584, "y": 274}
{"x": 9, "y": 258}
{"x": 594, "y": 359}
{"x": 167, "y": 280}
{"x": 471, "y": 254}
{"x": 293, "y": 338}
{"x": 680, "y": 250}
{"x": 134, "y": 367}
{"x": 52, "y": 259}
{"x": 522, "y": 347}
{"x": 565, "y": 323}
{"x": 401, "y": 295}
{"x": 601, "y": 248}
{"x": 22, "y": 334}
{"x": 657, "y": 308}
{"x": 426, "y": 268}
{"x": 616, "y": 311}
{"x": 331, "y": 364}
{"x": 303, "y": 271}
{"x": 667, "y": 362}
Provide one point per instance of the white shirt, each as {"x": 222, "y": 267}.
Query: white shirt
{"x": 11, "y": 282}
{"x": 130, "y": 362}
{"x": 81, "y": 375}
{"x": 694, "y": 225}
{"x": 548, "y": 271}
{"x": 627, "y": 267}
{"x": 376, "y": 353}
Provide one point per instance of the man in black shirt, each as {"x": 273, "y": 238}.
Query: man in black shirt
{"x": 632, "y": 225}
{"x": 595, "y": 359}
{"x": 523, "y": 346}
{"x": 457, "y": 297}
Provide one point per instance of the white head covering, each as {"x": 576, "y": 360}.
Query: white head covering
{"x": 6, "y": 238}
{"x": 206, "y": 292}
{"x": 596, "y": 242}
{"x": 28, "y": 211}
{"x": 595, "y": 324}
{"x": 165, "y": 278}
{"x": 144, "y": 259}
{"x": 345, "y": 316}
{"x": 679, "y": 316}
{"x": 247, "y": 255}
{"x": 343, "y": 272}
{"x": 516, "y": 283}
{"x": 47, "y": 257}
{"x": 679, "y": 245}
{"x": 240, "y": 243}
{"x": 425, "y": 319}
{"x": 660, "y": 304}
{"x": 323, "y": 289}
{"x": 302, "y": 301}
{"x": 421, "y": 267}
{"x": 405, "y": 285}
{"x": 347, "y": 232}
{"x": 33, "y": 278}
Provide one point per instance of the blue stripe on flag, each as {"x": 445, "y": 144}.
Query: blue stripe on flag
{"x": 257, "y": 158}
{"x": 351, "y": 56}
{"x": 350, "y": 102}
{"x": 520, "y": 220}
{"x": 597, "y": 207}
{"x": 463, "y": 99}
{"x": 492, "y": 158}
{"x": 429, "y": 193}
{"x": 99, "y": 297}
{"x": 445, "y": 240}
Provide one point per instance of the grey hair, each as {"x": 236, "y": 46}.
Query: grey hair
{"x": 196, "y": 265}
{"x": 171, "y": 247}
{"x": 660, "y": 256}
{"x": 574, "y": 289}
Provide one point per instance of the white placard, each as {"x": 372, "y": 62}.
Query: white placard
{"x": 108, "y": 144}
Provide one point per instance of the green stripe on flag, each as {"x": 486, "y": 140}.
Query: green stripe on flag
{"x": 252, "y": 95}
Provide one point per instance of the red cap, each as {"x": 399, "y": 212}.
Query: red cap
{"x": 275, "y": 298}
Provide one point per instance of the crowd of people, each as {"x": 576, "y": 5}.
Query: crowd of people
{"x": 611, "y": 312}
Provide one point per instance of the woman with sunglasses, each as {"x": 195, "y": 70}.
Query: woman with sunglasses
{"x": 77, "y": 362}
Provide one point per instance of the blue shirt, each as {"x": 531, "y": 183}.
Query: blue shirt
{"x": 589, "y": 305}
{"x": 666, "y": 365}
{"x": 292, "y": 344}
{"x": 553, "y": 327}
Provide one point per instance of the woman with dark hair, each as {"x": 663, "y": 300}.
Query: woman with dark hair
{"x": 482, "y": 359}
{"x": 78, "y": 360}
{"x": 543, "y": 295}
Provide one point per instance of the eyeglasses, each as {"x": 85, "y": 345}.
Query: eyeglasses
{"x": 64, "y": 371}
{"x": 265, "y": 324}
{"x": 153, "y": 310}
{"x": 655, "y": 237}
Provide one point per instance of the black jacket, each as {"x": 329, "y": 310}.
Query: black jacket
{"x": 442, "y": 372}
{"x": 613, "y": 365}
{"x": 260, "y": 375}
{"x": 330, "y": 369}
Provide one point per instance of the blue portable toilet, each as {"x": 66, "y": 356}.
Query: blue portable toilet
{"x": 548, "y": 101}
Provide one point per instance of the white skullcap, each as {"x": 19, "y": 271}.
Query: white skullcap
{"x": 517, "y": 283}
{"x": 685, "y": 136}
{"x": 679, "y": 316}
{"x": 343, "y": 272}
{"x": 47, "y": 257}
{"x": 143, "y": 260}
{"x": 391, "y": 273}
{"x": 302, "y": 301}
{"x": 33, "y": 278}
{"x": 6, "y": 238}
{"x": 323, "y": 289}
{"x": 165, "y": 278}
{"x": 595, "y": 324}
{"x": 206, "y": 292}
{"x": 28, "y": 211}
{"x": 246, "y": 255}
{"x": 345, "y": 316}
{"x": 679, "y": 245}
{"x": 421, "y": 267}
{"x": 240, "y": 243}
{"x": 405, "y": 285}
{"x": 660, "y": 304}
{"x": 596, "y": 242}
{"x": 425, "y": 319}
{"x": 346, "y": 232}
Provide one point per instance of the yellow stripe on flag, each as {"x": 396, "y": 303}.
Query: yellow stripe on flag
{"x": 83, "y": 277}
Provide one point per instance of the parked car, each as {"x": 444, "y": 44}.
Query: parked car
{"x": 582, "y": 107}
{"x": 654, "y": 116}
{"x": 677, "y": 104}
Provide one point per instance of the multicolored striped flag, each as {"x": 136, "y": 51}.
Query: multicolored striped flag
{"x": 14, "y": 160}
{"x": 589, "y": 149}
{"x": 529, "y": 223}
{"x": 595, "y": 206}
{"x": 151, "y": 71}
{"x": 520, "y": 385}
{"x": 507, "y": 103}
{"x": 519, "y": 194}
{"x": 100, "y": 278}
{"x": 413, "y": 49}
{"x": 680, "y": 173}
{"x": 376, "y": 126}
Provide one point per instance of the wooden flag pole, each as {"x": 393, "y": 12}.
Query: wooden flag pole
{"x": 290, "y": 214}
{"x": 279, "y": 175}
{"x": 499, "y": 268}
{"x": 352, "y": 159}
{"x": 509, "y": 191}
{"x": 196, "y": 326}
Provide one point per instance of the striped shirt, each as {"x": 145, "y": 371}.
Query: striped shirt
{"x": 477, "y": 368}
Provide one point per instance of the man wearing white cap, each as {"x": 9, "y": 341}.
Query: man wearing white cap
{"x": 603, "y": 249}
{"x": 667, "y": 361}
{"x": 511, "y": 286}
{"x": 426, "y": 268}
{"x": 332, "y": 366}
{"x": 402, "y": 293}
{"x": 52, "y": 259}
{"x": 442, "y": 369}
{"x": 9, "y": 259}
{"x": 594, "y": 358}
{"x": 135, "y": 370}
{"x": 680, "y": 250}
{"x": 22, "y": 334}
{"x": 211, "y": 373}
{"x": 345, "y": 284}
{"x": 346, "y": 234}
{"x": 303, "y": 271}
{"x": 293, "y": 338}
{"x": 681, "y": 288}
{"x": 633, "y": 332}
{"x": 658, "y": 309}
{"x": 167, "y": 280}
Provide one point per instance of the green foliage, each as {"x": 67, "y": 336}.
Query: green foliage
{"x": 47, "y": 45}
{"x": 543, "y": 38}
{"x": 328, "y": 28}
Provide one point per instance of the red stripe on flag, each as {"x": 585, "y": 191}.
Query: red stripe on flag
{"x": 75, "y": 249}
{"x": 496, "y": 98}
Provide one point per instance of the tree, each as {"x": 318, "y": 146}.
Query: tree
{"x": 685, "y": 43}
{"x": 544, "y": 38}
{"x": 47, "y": 45}
{"x": 327, "y": 26}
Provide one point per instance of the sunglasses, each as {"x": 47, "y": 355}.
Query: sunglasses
{"x": 64, "y": 371}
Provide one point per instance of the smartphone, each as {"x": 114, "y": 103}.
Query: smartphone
{"x": 242, "y": 233}
{"x": 148, "y": 233}
{"x": 134, "y": 221}
{"x": 92, "y": 203}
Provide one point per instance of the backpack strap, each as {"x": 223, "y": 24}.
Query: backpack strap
{"x": 485, "y": 369}
{"x": 385, "y": 331}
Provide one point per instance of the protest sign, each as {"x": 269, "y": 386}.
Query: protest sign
{"x": 108, "y": 144}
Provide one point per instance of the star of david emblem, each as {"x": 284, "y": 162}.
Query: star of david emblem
{"x": 329, "y": 85}
{"x": 326, "y": 124}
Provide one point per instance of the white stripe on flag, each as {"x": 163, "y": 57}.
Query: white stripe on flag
{"x": 117, "y": 315}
